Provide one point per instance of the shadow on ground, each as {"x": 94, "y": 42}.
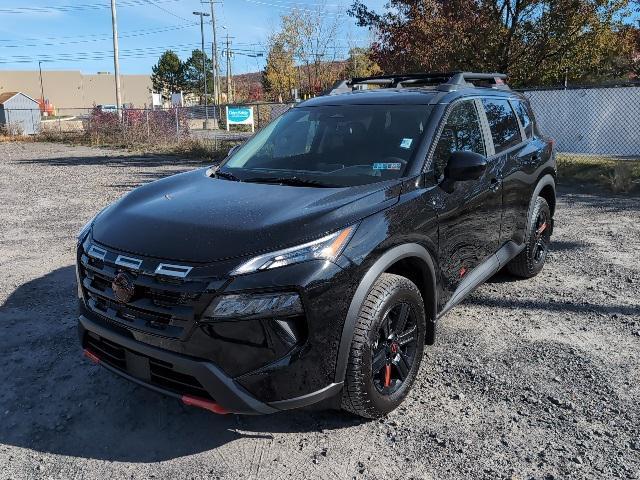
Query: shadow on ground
{"x": 53, "y": 400}
{"x": 550, "y": 305}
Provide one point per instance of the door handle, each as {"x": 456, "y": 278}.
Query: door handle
{"x": 494, "y": 185}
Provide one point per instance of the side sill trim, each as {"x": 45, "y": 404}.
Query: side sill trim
{"x": 482, "y": 273}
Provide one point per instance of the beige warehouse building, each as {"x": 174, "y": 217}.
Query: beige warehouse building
{"x": 73, "y": 89}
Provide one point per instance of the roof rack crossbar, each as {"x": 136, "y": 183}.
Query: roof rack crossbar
{"x": 446, "y": 81}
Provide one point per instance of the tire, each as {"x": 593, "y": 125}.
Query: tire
{"x": 375, "y": 387}
{"x": 538, "y": 238}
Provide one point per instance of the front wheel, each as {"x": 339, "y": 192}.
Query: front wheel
{"x": 386, "y": 349}
{"x": 531, "y": 260}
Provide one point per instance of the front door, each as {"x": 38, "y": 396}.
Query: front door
{"x": 469, "y": 212}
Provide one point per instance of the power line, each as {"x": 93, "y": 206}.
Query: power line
{"x": 78, "y": 7}
{"x": 105, "y": 38}
{"x": 142, "y": 50}
{"x": 321, "y": 5}
{"x": 294, "y": 7}
{"x": 130, "y": 33}
{"x": 100, "y": 55}
{"x": 155, "y": 4}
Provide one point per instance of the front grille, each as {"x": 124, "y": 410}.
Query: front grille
{"x": 162, "y": 304}
{"x": 160, "y": 373}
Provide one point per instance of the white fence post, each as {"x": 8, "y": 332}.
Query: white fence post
{"x": 177, "y": 126}
{"x": 146, "y": 112}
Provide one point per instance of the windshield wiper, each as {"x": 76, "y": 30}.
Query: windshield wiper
{"x": 291, "y": 181}
{"x": 226, "y": 176}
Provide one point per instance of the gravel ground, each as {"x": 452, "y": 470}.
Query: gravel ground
{"x": 529, "y": 379}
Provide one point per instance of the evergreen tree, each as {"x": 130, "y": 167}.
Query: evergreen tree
{"x": 168, "y": 74}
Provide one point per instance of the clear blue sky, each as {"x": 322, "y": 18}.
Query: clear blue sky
{"x": 76, "y": 34}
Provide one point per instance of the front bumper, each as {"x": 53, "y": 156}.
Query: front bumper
{"x": 206, "y": 385}
{"x": 163, "y": 322}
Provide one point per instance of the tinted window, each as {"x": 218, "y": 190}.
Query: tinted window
{"x": 334, "y": 145}
{"x": 525, "y": 118}
{"x": 502, "y": 121}
{"x": 461, "y": 132}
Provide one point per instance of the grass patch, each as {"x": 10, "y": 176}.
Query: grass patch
{"x": 15, "y": 138}
{"x": 617, "y": 175}
{"x": 190, "y": 148}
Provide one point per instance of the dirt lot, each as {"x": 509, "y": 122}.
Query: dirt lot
{"x": 530, "y": 379}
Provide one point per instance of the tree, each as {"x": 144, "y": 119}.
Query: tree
{"x": 303, "y": 54}
{"x": 360, "y": 64}
{"x": 279, "y": 75}
{"x": 534, "y": 41}
{"x": 311, "y": 36}
{"x": 168, "y": 74}
{"x": 193, "y": 73}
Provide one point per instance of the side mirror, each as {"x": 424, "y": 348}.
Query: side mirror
{"x": 465, "y": 166}
{"x": 233, "y": 150}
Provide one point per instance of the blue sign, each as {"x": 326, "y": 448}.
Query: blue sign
{"x": 239, "y": 114}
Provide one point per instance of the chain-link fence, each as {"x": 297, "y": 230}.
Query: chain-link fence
{"x": 137, "y": 126}
{"x": 601, "y": 121}
{"x": 597, "y": 132}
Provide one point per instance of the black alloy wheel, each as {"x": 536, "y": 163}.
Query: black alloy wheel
{"x": 542, "y": 235}
{"x": 394, "y": 351}
{"x": 386, "y": 349}
{"x": 530, "y": 261}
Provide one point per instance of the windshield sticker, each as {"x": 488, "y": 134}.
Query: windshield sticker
{"x": 406, "y": 143}
{"x": 387, "y": 166}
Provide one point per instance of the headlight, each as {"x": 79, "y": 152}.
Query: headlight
{"x": 251, "y": 306}
{"x": 326, "y": 248}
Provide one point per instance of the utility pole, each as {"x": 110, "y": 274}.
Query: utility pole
{"x": 41, "y": 84}
{"x": 229, "y": 88}
{"x": 214, "y": 52}
{"x": 204, "y": 69}
{"x": 116, "y": 54}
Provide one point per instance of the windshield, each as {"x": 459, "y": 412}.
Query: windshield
{"x": 334, "y": 146}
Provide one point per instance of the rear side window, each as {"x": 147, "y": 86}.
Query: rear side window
{"x": 503, "y": 124}
{"x": 461, "y": 132}
{"x": 525, "y": 119}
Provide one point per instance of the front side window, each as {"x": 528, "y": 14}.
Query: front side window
{"x": 503, "y": 124}
{"x": 461, "y": 132}
{"x": 336, "y": 146}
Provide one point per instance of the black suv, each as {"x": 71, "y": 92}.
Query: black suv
{"x": 312, "y": 266}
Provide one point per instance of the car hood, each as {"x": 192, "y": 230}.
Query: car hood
{"x": 195, "y": 218}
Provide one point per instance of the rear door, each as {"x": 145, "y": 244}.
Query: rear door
{"x": 515, "y": 154}
{"x": 469, "y": 213}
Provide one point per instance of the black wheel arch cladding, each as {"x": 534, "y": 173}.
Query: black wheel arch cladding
{"x": 387, "y": 260}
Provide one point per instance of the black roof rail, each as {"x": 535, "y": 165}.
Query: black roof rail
{"x": 445, "y": 81}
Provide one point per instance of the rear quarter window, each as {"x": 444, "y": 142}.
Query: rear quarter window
{"x": 505, "y": 130}
{"x": 524, "y": 116}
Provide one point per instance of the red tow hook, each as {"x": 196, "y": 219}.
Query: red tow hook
{"x": 542, "y": 228}
{"x": 205, "y": 404}
{"x": 94, "y": 358}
